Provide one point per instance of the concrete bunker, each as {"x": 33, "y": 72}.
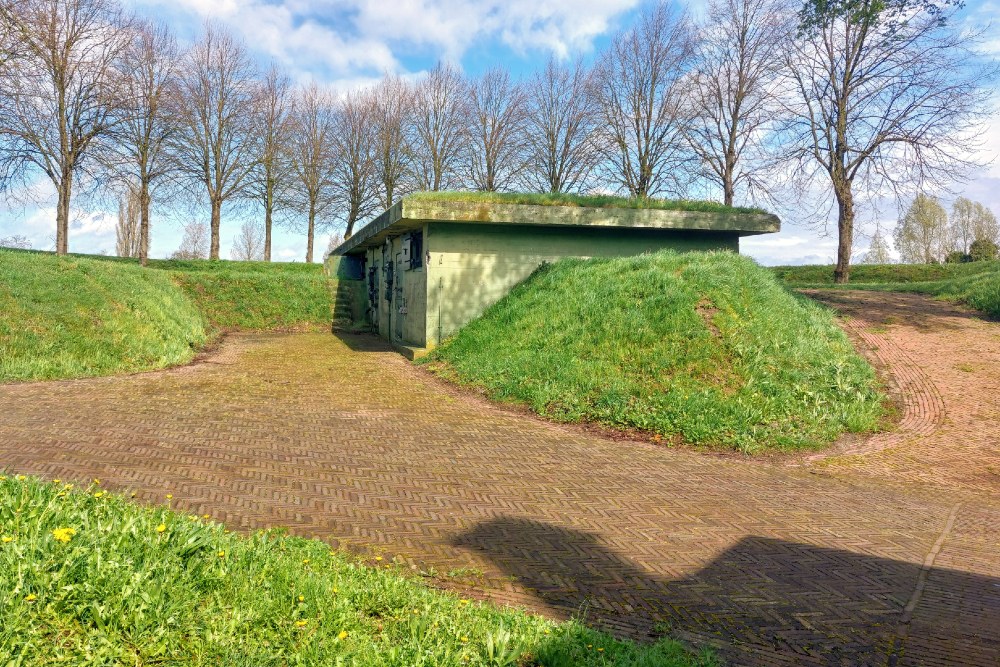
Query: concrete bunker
{"x": 424, "y": 268}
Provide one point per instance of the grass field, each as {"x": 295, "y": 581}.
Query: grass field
{"x": 593, "y": 201}
{"x": 89, "y": 578}
{"x": 79, "y": 316}
{"x": 976, "y": 284}
{"x": 707, "y": 348}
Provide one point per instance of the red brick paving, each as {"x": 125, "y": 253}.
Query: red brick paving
{"x": 343, "y": 440}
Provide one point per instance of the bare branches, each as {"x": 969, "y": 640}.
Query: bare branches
{"x": 888, "y": 97}
{"x": 733, "y": 90}
{"x": 213, "y": 146}
{"x": 248, "y": 246}
{"x": 128, "y": 237}
{"x": 57, "y": 93}
{"x": 640, "y": 99}
{"x": 268, "y": 182}
{"x": 354, "y": 178}
{"x": 311, "y": 158}
{"x": 438, "y": 129}
{"x": 392, "y": 106}
{"x": 496, "y": 114}
{"x": 561, "y": 119}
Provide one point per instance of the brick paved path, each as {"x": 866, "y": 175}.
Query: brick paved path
{"x": 824, "y": 563}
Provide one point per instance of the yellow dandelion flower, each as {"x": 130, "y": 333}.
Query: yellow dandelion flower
{"x": 222, "y": 554}
{"x": 97, "y": 482}
{"x": 206, "y": 516}
{"x": 463, "y": 602}
{"x": 548, "y": 632}
{"x": 21, "y": 478}
{"x": 161, "y": 528}
{"x": 302, "y": 598}
{"x": 31, "y": 597}
{"x": 335, "y": 591}
{"x": 378, "y": 558}
{"x": 6, "y": 539}
{"x": 301, "y": 624}
{"x": 63, "y": 534}
{"x": 67, "y": 486}
{"x": 170, "y": 496}
{"x": 343, "y": 635}
{"x": 99, "y": 494}
{"x": 600, "y": 650}
{"x": 464, "y": 639}
{"x": 3, "y": 478}
{"x": 61, "y": 494}
{"x": 134, "y": 494}
{"x": 57, "y": 481}
{"x": 590, "y": 646}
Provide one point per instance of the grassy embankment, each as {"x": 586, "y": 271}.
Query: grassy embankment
{"x": 707, "y": 348}
{"x": 592, "y": 201}
{"x": 89, "y": 578}
{"x": 976, "y": 284}
{"x": 65, "y": 317}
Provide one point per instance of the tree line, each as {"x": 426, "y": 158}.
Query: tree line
{"x": 927, "y": 234}
{"x": 842, "y": 97}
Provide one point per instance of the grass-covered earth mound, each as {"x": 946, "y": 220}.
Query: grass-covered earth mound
{"x": 89, "y": 578}
{"x": 706, "y": 348}
{"x": 976, "y": 284}
{"x": 79, "y": 316}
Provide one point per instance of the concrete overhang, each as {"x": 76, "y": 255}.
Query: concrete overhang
{"x": 412, "y": 213}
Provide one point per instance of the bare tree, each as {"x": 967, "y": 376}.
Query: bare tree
{"x": 392, "y": 103}
{"x": 561, "y": 120}
{"x": 496, "y": 130}
{"x": 194, "y": 243}
{"x": 888, "y": 96}
{"x": 439, "y": 117}
{"x": 248, "y": 245}
{"x": 922, "y": 232}
{"x": 56, "y": 96}
{"x": 128, "y": 232}
{"x": 312, "y": 160}
{"x": 213, "y": 146}
{"x": 354, "y": 178}
{"x": 135, "y": 150}
{"x": 269, "y": 180}
{"x": 733, "y": 89}
{"x": 640, "y": 96}
{"x": 878, "y": 250}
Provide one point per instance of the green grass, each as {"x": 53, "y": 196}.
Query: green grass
{"x": 75, "y": 317}
{"x": 136, "y": 585}
{"x": 976, "y": 284}
{"x": 705, "y": 347}
{"x": 80, "y": 316}
{"x": 592, "y": 201}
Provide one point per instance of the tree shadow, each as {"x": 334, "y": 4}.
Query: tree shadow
{"x": 763, "y": 600}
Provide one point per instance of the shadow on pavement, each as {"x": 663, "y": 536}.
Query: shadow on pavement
{"x": 762, "y": 601}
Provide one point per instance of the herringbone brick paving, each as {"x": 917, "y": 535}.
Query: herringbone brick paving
{"x": 825, "y": 563}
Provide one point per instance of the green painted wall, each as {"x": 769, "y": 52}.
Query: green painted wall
{"x": 471, "y": 266}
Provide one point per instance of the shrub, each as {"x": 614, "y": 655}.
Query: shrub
{"x": 983, "y": 250}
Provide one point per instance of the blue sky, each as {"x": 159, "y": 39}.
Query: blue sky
{"x": 349, "y": 43}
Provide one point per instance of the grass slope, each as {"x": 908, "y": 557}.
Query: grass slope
{"x": 592, "y": 201}
{"x": 79, "y": 316}
{"x": 976, "y": 284}
{"x": 88, "y": 578}
{"x": 707, "y": 347}
{"x": 74, "y": 317}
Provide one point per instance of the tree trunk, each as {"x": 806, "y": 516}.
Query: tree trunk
{"x": 144, "y": 224}
{"x": 729, "y": 191}
{"x": 216, "y": 222}
{"x": 65, "y": 193}
{"x": 267, "y": 233}
{"x": 311, "y": 233}
{"x": 845, "y": 229}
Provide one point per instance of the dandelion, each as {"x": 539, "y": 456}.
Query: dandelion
{"x": 222, "y": 554}
{"x": 21, "y": 478}
{"x": 464, "y": 639}
{"x": 206, "y": 516}
{"x": 3, "y": 478}
{"x": 61, "y": 494}
{"x": 63, "y": 534}
{"x": 30, "y": 597}
{"x": 302, "y": 598}
{"x": 161, "y": 528}
{"x": 97, "y": 482}
{"x": 378, "y": 558}
{"x": 600, "y": 650}
{"x": 305, "y": 562}
{"x": 170, "y": 496}
{"x": 301, "y": 624}
{"x": 99, "y": 494}
{"x": 6, "y": 539}
{"x": 57, "y": 481}
{"x": 343, "y": 635}
{"x": 67, "y": 486}
{"x": 335, "y": 591}
{"x": 463, "y": 602}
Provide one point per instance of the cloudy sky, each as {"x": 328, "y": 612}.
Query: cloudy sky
{"x": 350, "y": 43}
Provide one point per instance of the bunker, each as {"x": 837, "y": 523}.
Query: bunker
{"x": 421, "y": 270}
